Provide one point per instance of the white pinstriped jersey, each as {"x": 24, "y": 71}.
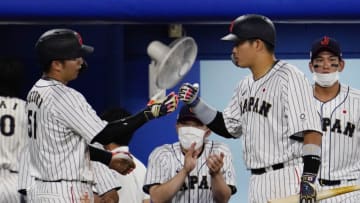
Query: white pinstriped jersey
{"x": 104, "y": 178}
{"x": 12, "y": 141}
{"x": 61, "y": 125}
{"x": 25, "y": 181}
{"x": 132, "y": 183}
{"x": 268, "y": 111}
{"x": 12, "y": 131}
{"x": 341, "y": 140}
{"x": 165, "y": 162}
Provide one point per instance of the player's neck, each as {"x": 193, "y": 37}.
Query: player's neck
{"x": 50, "y": 76}
{"x": 325, "y": 94}
{"x": 262, "y": 66}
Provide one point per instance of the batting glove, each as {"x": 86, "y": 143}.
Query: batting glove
{"x": 188, "y": 93}
{"x": 157, "y": 108}
{"x": 307, "y": 188}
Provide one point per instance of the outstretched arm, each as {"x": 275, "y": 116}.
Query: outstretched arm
{"x": 128, "y": 125}
{"x": 188, "y": 93}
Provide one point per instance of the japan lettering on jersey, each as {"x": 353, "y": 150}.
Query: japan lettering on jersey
{"x": 340, "y": 143}
{"x": 61, "y": 125}
{"x": 166, "y": 161}
{"x": 270, "y": 110}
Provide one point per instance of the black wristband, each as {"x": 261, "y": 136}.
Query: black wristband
{"x": 311, "y": 164}
{"x": 99, "y": 155}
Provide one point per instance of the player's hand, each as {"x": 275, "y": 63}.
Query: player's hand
{"x": 122, "y": 162}
{"x": 215, "y": 162}
{"x": 190, "y": 158}
{"x": 157, "y": 108}
{"x": 188, "y": 93}
{"x": 307, "y": 188}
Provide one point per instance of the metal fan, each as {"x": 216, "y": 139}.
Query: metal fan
{"x": 169, "y": 64}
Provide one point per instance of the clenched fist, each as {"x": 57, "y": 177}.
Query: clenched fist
{"x": 188, "y": 93}
{"x": 157, "y": 108}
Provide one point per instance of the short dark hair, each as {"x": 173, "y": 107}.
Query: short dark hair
{"x": 269, "y": 47}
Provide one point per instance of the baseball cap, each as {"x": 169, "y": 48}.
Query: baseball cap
{"x": 325, "y": 44}
{"x": 60, "y": 44}
{"x": 251, "y": 26}
{"x": 186, "y": 114}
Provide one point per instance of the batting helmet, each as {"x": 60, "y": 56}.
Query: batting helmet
{"x": 252, "y": 26}
{"x": 61, "y": 44}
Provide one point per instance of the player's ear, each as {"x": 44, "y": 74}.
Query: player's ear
{"x": 207, "y": 132}
{"x": 56, "y": 65}
{"x": 311, "y": 67}
{"x": 341, "y": 65}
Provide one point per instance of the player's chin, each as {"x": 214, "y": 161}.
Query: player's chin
{"x": 75, "y": 75}
{"x": 240, "y": 65}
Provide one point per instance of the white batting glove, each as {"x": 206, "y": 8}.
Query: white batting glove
{"x": 157, "y": 108}
{"x": 188, "y": 93}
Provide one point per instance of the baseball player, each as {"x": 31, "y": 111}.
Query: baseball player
{"x": 273, "y": 112}
{"x": 193, "y": 170}
{"x": 132, "y": 183}
{"x": 12, "y": 127}
{"x": 338, "y": 107}
{"x": 61, "y": 123}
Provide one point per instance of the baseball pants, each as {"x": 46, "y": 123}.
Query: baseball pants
{"x": 61, "y": 192}
{"x": 275, "y": 184}
{"x": 8, "y": 186}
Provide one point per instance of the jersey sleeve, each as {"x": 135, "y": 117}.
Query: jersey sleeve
{"x": 158, "y": 170}
{"x": 300, "y": 109}
{"x": 232, "y": 114}
{"x": 104, "y": 179}
{"x": 73, "y": 109}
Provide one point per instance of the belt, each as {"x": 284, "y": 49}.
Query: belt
{"x": 333, "y": 182}
{"x": 60, "y": 180}
{"x": 259, "y": 171}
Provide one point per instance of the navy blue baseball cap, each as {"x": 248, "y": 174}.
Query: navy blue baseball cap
{"x": 186, "y": 114}
{"x": 325, "y": 44}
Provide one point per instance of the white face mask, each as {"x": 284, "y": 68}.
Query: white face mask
{"x": 326, "y": 79}
{"x": 189, "y": 135}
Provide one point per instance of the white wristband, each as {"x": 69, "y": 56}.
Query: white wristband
{"x": 204, "y": 112}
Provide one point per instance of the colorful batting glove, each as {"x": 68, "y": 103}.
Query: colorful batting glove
{"x": 158, "y": 108}
{"x": 188, "y": 93}
{"x": 307, "y": 188}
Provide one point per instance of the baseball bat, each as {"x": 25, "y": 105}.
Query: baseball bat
{"x": 321, "y": 194}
